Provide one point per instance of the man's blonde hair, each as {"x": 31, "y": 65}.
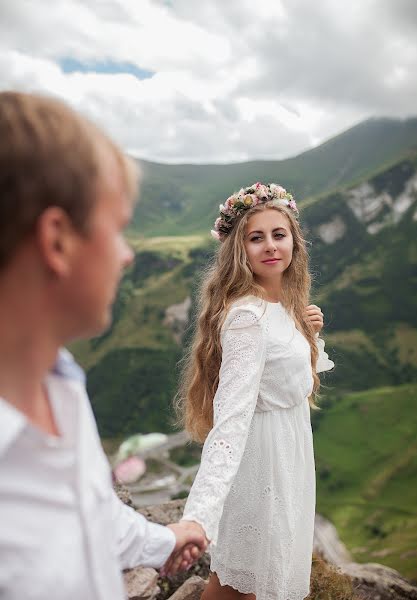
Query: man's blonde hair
{"x": 48, "y": 157}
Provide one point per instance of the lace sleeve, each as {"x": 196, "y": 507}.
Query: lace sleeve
{"x": 243, "y": 360}
{"x": 323, "y": 361}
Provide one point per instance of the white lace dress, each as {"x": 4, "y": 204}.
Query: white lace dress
{"x": 254, "y": 493}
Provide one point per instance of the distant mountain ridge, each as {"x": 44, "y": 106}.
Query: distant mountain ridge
{"x": 183, "y": 199}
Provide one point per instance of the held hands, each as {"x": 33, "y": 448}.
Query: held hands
{"x": 315, "y": 316}
{"x": 191, "y": 543}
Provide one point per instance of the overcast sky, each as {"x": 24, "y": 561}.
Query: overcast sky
{"x": 216, "y": 80}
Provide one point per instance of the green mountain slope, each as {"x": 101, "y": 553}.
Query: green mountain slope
{"x": 182, "y": 199}
{"x": 364, "y": 257}
{"x": 366, "y": 462}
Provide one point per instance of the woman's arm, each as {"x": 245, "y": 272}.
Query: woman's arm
{"x": 243, "y": 360}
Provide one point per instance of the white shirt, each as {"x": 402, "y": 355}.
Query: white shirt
{"x": 63, "y": 531}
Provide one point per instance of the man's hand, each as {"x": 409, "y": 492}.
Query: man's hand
{"x": 315, "y": 316}
{"x": 190, "y": 545}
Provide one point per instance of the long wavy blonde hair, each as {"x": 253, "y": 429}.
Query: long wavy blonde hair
{"x": 229, "y": 278}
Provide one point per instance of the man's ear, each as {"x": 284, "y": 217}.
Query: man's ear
{"x": 57, "y": 240}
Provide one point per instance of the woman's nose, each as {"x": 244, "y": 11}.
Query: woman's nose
{"x": 270, "y": 244}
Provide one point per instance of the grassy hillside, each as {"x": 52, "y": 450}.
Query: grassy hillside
{"x": 182, "y": 199}
{"x": 366, "y": 460}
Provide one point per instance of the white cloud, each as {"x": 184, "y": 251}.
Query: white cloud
{"x": 233, "y": 80}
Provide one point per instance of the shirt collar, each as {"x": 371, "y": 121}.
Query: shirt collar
{"x": 66, "y": 367}
{"x": 12, "y": 421}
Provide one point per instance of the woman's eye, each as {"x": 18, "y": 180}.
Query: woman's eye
{"x": 279, "y": 235}
{"x": 255, "y": 239}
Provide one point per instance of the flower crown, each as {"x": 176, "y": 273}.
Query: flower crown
{"x": 247, "y": 198}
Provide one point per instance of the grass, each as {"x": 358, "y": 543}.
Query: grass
{"x": 366, "y": 457}
{"x": 179, "y": 245}
{"x": 405, "y": 339}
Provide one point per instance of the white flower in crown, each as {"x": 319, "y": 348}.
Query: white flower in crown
{"x": 277, "y": 190}
{"x": 240, "y": 195}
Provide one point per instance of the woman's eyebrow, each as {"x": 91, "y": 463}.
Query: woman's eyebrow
{"x": 260, "y": 231}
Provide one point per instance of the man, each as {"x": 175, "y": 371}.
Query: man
{"x": 66, "y": 194}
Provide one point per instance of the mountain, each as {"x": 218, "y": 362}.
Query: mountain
{"x": 183, "y": 199}
{"x": 364, "y": 260}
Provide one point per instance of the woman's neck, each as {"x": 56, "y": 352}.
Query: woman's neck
{"x": 272, "y": 290}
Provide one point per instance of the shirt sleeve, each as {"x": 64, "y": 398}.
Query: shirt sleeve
{"x": 323, "y": 361}
{"x": 243, "y": 360}
{"x": 138, "y": 541}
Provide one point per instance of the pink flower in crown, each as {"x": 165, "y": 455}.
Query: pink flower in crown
{"x": 261, "y": 191}
{"x": 293, "y": 205}
{"x": 225, "y": 209}
{"x": 230, "y": 202}
{"x": 217, "y": 223}
{"x": 215, "y": 235}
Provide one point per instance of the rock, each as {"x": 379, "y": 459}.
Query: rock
{"x": 328, "y": 544}
{"x": 379, "y": 582}
{"x": 169, "y": 512}
{"x": 141, "y": 583}
{"x": 371, "y": 581}
{"x": 123, "y": 493}
{"x": 190, "y": 590}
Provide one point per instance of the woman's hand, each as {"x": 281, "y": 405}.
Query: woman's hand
{"x": 315, "y": 316}
{"x": 191, "y": 543}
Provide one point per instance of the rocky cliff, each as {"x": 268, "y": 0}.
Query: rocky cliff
{"x": 334, "y": 575}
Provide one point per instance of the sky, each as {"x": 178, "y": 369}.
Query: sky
{"x": 216, "y": 81}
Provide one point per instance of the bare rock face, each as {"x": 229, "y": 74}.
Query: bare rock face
{"x": 176, "y": 317}
{"x": 328, "y": 544}
{"x": 141, "y": 583}
{"x": 190, "y": 590}
{"x": 378, "y": 210}
{"x": 332, "y": 231}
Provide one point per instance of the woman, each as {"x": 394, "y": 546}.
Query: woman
{"x": 247, "y": 389}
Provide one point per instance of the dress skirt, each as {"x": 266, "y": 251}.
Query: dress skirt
{"x": 265, "y": 541}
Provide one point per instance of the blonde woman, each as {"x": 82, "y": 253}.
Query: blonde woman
{"x": 247, "y": 389}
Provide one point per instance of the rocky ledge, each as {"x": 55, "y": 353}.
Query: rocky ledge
{"x": 334, "y": 575}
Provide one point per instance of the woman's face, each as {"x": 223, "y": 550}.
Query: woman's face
{"x": 268, "y": 243}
